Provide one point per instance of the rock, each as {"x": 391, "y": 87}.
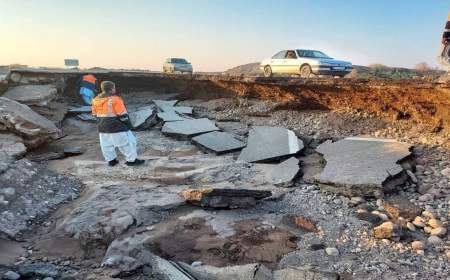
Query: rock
{"x": 435, "y": 240}
{"x": 224, "y": 198}
{"x": 400, "y": 206}
{"x": 218, "y": 142}
{"x": 434, "y": 223}
{"x": 412, "y": 176}
{"x": 427, "y": 229}
{"x": 24, "y": 122}
{"x": 283, "y": 174}
{"x": 426, "y": 197}
{"x": 387, "y": 230}
{"x": 196, "y": 263}
{"x": 143, "y": 118}
{"x": 129, "y": 253}
{"x": 410, "y": 226}
{"x": 39, "y": 95}
{"x": 446, "y": 172}
{"x": 417, "y": 245}
{"x": 299, "y": 221}
{"x": 362, "y": 166}
{"x": 11, "y": 275}
{"x": 188, "y": 128}
{"x": 355, "y": 200}
{"x": 72, "y": 151}
{"x": 440, "y": 231}
{"x": 12, "y": 145}
{"x": 8, "y": 191}
{"x": 369, "y": 217}
{"x": 382, "y": 216}
{"x": 38, "y": 270}
{"x": 428, "y": 214}
{"x": 331, "y": 251}
{"x": 270, "y": 143}
{"x": 419, "y": 222}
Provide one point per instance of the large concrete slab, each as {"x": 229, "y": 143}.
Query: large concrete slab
{"x": 139, "y": 117}
{"x": 267, "y": 143}
{"x": 179, "y": 109}
{"x": 361, "y": 166}
{"x": 218, "y": 142}
{"x": 283, "y": 174}
{"x": 19, "y": 119}
{"x": 32, "y": 94}
{"x": 170, "y": 116}
{"x": 188, "y": 128}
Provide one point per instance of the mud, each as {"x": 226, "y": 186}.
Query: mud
{"x": 192, "y": 240}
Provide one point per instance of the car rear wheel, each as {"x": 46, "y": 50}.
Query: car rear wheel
{"x": 305, "y": 71}
{"x": 267, "y": 71}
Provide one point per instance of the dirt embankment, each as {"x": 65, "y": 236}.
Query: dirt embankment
{"x": 422, "y": 102}
{"x": 418, "y": 100}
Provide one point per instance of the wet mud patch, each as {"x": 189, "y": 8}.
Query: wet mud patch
{"x": 193, "y": 240}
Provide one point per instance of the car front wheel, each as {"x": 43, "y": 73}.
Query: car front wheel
{"x": 267, "y": 71}
{"x": 305, "y": 71}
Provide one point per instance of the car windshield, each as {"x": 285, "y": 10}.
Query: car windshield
{"x": 179, "y": 60}
{"x": 313, "y": 54}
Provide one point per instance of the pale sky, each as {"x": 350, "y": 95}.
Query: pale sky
{"x": 217, "y": 34}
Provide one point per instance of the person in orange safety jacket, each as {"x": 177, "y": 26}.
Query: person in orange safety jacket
{"x": 114, "y": 126}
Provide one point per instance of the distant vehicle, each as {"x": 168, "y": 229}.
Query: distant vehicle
{"x": 304, "y": 63}
{"x": 172, "y": 65}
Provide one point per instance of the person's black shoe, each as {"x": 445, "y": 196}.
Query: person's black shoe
{"x": 113, "y": 162}
{"x": 135, "y": 162}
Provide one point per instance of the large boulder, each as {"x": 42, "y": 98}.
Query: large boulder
{"x": 24, "y": 122}
{"x": 39, "y": 95}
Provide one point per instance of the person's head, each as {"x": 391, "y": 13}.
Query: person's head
{"x": 108, "y": 87}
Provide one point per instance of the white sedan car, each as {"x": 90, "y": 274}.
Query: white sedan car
{"x": 172, "y": 65}
{"x": 304, "y": 63}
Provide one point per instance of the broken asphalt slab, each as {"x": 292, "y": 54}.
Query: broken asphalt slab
{"x": 361, "y": 166}
{"x": 267, "y": 143}
{"x": 218, "y": 142}
{"x": 224, "y": 197}
{"x": 283, "y": 174}
{"x": 188, "y": 128}
{"x": 170, "y": 116}
{"x": 142, "y": 118}
{"x": 167, "y": 106}
{"x": 19, "y": 119}
{"x": 38, "y": 95}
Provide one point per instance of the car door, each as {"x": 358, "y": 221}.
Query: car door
{"x": 290, "y": 62}
{"x": 276, "y": 62}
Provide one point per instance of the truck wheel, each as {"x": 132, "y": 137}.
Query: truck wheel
{"x": 267, "y": 71}
{"x": 305, "y": 71}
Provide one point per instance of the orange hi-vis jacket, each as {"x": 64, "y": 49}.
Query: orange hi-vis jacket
{"x": 111, "y": 113}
